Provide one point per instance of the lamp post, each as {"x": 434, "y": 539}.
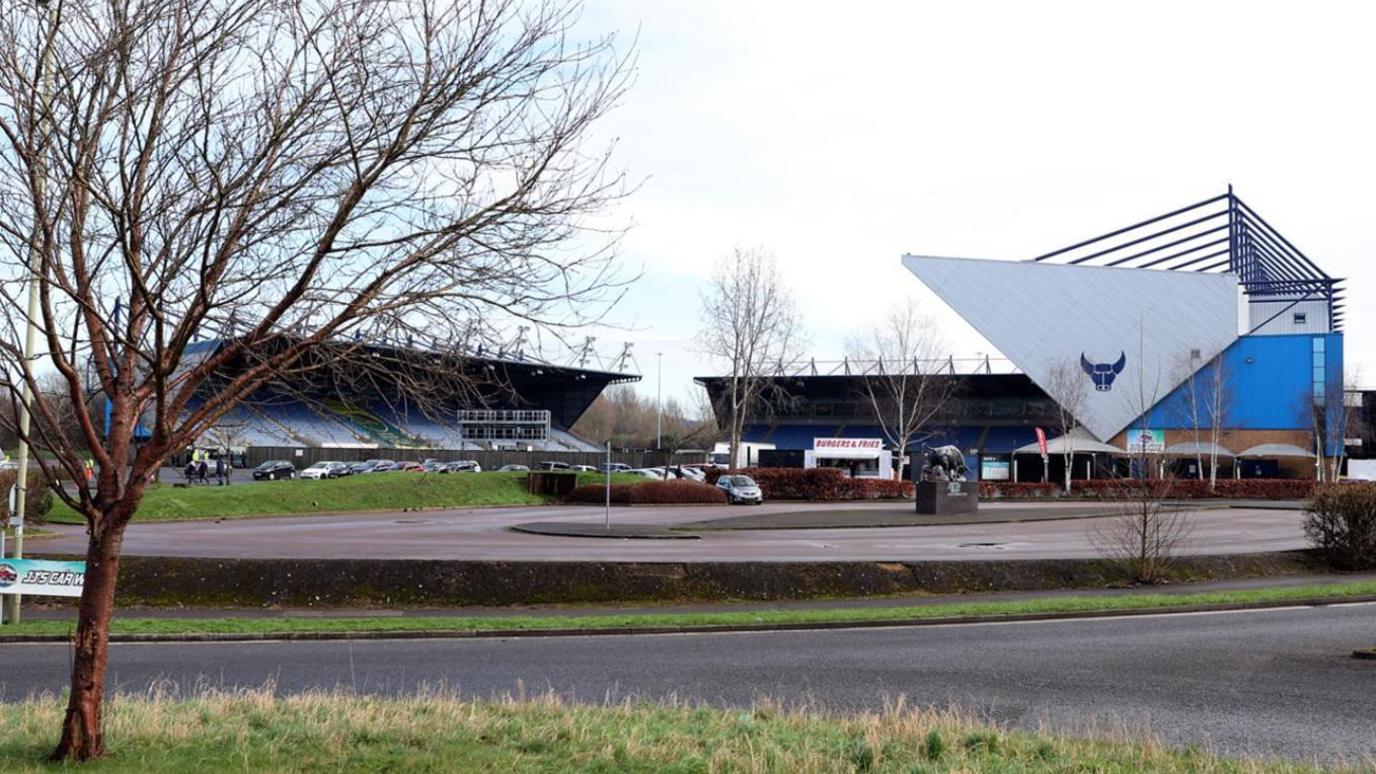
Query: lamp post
{"x": 659, "y": 400}
{"x": 21, "y": 484}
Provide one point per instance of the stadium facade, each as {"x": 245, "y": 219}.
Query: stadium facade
{"x": 381, "y": 397}
{"x": 1202, "y": 325}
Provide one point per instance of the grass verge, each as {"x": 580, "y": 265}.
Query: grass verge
{"x": 861, "y": 615}
{"x": 373, "y": 492}
{"x": 255, "y": 731}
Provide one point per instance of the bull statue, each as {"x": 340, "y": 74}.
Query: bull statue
{"x": 1103, "y": 374}
{"x": 945, "y": 463}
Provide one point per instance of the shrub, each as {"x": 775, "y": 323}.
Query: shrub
{"x": 1341, "y": 523}
{"x": 38, "y": 502}
{"x": 1180, "y": 489}
{"x": 676, "y": 492}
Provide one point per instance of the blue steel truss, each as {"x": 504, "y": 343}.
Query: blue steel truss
{"x": 1221, "y": 234}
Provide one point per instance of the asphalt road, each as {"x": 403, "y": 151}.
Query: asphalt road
{"x": 485, "y": 534}
{"x": 1275, "y": 683}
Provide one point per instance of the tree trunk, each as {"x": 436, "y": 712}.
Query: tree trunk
{"x": 83, "y": 738}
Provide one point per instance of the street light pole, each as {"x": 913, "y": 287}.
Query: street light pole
{"x": 21, "y": 484}
{"x": 659, "y": 400}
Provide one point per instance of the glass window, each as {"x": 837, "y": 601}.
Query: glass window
{"x": 1318, "y": 360}
{"x": 1318, "y": 343}
{"x": 1300, "y": 318}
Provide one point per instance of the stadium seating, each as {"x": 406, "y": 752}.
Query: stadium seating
{"x": 799, "y": 436}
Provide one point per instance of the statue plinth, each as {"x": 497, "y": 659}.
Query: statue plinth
{"x": 942, "y": 498}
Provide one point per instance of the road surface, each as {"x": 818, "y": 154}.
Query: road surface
{"x": 485, "y": 534}
{"x": 1275, "y": 683}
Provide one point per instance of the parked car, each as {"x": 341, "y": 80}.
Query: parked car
{"x": 740, "y": 489}
{"x": 650, "y": 473}
{"x": 273, "y": 470}
{"x": 372, "y": 466}
{"x": 692, "y": 474}
{"x": 512, "y": 469}
{"x": 583, "y": 468}
{"x": 325, "y": 470}
{"x": 409, "y": 466}
{"x": 547, "y": 465}
{"x": 435, "y": 466}
{"x": 462, "y": 466}
{"x": 615, "y": 467}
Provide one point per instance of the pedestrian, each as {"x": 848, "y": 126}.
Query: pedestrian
{"x": 190, "y": 472}
{"x": 229, "y": 467}
{"x": 204, "y": 471}
{"x": 220, "y": 470}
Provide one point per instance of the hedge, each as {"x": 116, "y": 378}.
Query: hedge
{"x": 1180, "y": 489}
{"x": 819, "y": 484}
{"x": 676, "y": 492}
{"x": 1341, "y": 523}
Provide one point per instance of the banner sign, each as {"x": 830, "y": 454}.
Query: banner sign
{"x": 41, "y": 577}
{"x": 1041, "y": 440}
{"x": 873, "y": 444}
{"x": 847, "y": 448}
{"x": 1141, "y": 441}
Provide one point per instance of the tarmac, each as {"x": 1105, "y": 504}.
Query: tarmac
{"x": 1006, "y": 531}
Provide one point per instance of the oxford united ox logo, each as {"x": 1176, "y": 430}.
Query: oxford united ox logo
{"x": 1103, "y": 374}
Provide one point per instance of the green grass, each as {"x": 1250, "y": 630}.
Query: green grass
{"x": 255, "y": 731}
{"x": 373, "y": 492}
{"x": 1066, "y": 604}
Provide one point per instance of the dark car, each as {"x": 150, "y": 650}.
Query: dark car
{"x": 513, "y": 468}
{"x": 382, "y": 466}
{"x": 362, "y": 467}
{"x": 273, "y": 470}
{"x": 615, "y": 467}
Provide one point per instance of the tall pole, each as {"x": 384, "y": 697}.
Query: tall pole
{"x": 21, "y": 484}
{"x": 659, "y": 400}
{"x": 607, "y": 508}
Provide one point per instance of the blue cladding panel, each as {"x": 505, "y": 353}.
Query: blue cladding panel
{"x": 1269, "y": 380}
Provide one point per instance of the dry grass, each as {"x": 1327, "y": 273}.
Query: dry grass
{"x": 256, "y": 731}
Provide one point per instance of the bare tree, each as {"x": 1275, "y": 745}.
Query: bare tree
{"x": 295, "y": 179}
{"x": 902, "y": 356}
{"x": 1206, "y": 404}
{"x": 1147, "y": 530}
{"x": 1067, "y": 387}
{"x": 753, "y": 329}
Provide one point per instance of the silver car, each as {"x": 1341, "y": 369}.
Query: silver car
{"x": 740, "y": 489}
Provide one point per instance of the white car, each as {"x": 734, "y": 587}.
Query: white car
{"x": 324, "y": 470}
{"x": 650, "y": 473}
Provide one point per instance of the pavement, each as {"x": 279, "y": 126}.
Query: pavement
{"x": 487, "y": 535}
{"x": 1271, "y": 683}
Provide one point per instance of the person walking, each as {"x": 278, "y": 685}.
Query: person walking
{"x": 220, "y": 470}
{"x": 204, "y": 471}
{"x": 229, "y": 466}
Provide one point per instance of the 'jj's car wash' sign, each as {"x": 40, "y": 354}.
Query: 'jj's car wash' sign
{"x": 41, "y": 577}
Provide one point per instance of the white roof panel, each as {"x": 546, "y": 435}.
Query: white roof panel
{"x": 1137, "y": 330}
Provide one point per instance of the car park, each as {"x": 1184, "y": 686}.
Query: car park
{"x": 740, "y": 489}
{"x": 274, "y": 470}
{"x": 325, "y": 470}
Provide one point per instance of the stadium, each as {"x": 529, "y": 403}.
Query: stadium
{"x": 1199, "y": 333}
{"x": 407, "y": 402}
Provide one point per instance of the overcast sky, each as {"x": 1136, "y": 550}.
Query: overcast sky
{"x": 844, "y": 135}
